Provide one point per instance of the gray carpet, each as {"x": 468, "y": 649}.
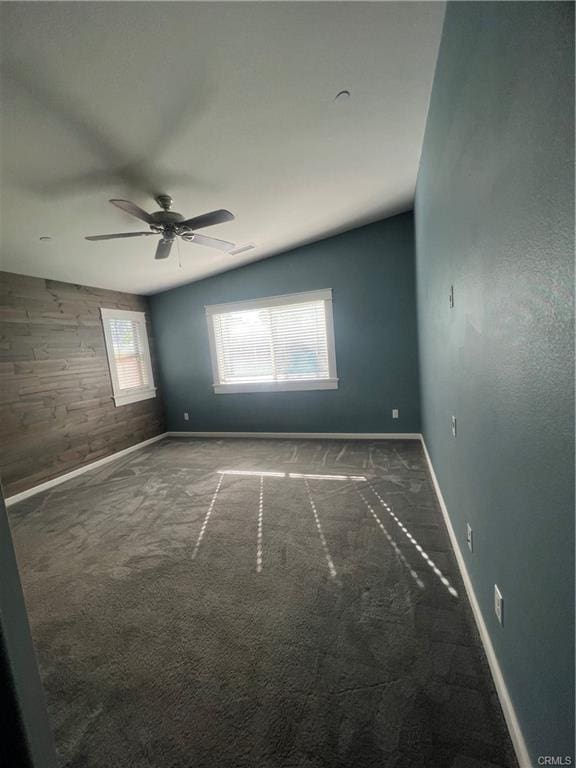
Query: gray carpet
{"x": 186, "y": 617}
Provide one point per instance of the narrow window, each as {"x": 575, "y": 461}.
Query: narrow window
{"x": 277, "y": 343}
{"x": 128, "y": 355}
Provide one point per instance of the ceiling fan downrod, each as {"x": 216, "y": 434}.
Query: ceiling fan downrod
{"x": 164, "y": 201}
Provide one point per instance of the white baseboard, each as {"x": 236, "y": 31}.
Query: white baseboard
{"x": 305, "y": 435}
{"x": 119, "y": 454}
{"x": 514, "y": 728}
{"x": 80, "y": 470}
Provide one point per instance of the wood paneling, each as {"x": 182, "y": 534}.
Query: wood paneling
{"x": 56, "y": 406}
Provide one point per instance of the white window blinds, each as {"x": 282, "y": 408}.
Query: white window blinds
{"x": 285, "y": 342}
{"x": 128, "y": 355}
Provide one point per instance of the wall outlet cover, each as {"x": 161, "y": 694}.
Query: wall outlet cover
{"x": 186, "y": 417}
{"x": 498, "y": 605}
{"x": 469, "y": 537}
{"x": 395, "y": 413}
{"x": 453, "y": 426}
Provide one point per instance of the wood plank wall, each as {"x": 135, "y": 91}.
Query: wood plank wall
{"x": 56, "y": 406}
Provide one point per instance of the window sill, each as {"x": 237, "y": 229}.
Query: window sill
{"x": 134, "y": 397}
{"x": 275, "y": 386}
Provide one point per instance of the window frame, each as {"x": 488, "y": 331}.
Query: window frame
{"x": 133, "y": 395}
{"x": 222, "y": 388}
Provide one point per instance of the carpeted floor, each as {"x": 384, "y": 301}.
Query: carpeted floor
{"x": 192, "y": 611}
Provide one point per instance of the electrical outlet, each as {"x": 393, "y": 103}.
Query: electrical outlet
{"x": 451, "y": 297}
{"x": 498, "y": 605}
{"x": 395, "y": 413}
{"x": 453, "y": 426}
{"x": 186, "y": 417}
{"x": 469, "y": 537}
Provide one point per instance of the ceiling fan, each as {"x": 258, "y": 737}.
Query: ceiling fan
{"x": 170, "y": 225}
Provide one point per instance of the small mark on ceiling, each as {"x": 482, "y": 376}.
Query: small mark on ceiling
{"x": 342, "y": 96}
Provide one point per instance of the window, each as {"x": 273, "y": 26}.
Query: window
{"x": 278, "y": 343}
{"x": 128, "y": 355}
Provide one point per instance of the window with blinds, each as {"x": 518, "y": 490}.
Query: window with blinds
{"x": 278, "y": 343}
{"x": 128, "y": 355}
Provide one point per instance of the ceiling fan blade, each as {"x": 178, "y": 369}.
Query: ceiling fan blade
{"x": 163, "y": 249}
{"x": 120, "y": 234}
{"x": 210, "y": 242}
{"x": 208, "y": 219}
{"x": 133, "y": 210}
{"x": 77, "y": 117}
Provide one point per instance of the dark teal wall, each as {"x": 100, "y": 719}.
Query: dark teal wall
{"x": 371, "y": 272}
{"x": 494, "y": 217}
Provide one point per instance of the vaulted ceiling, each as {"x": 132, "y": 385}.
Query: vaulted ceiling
{"x": 221, "y": 105}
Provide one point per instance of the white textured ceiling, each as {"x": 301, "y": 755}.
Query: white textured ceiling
{"x": 222, "y": 105}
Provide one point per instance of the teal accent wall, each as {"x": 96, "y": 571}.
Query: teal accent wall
{"x": 371, "y": 272}
{"x": 494, "y": 217}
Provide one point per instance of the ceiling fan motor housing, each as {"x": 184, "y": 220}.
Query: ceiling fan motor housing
{"x": 166, "y": 217}
{"x": 166, "y": 222}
